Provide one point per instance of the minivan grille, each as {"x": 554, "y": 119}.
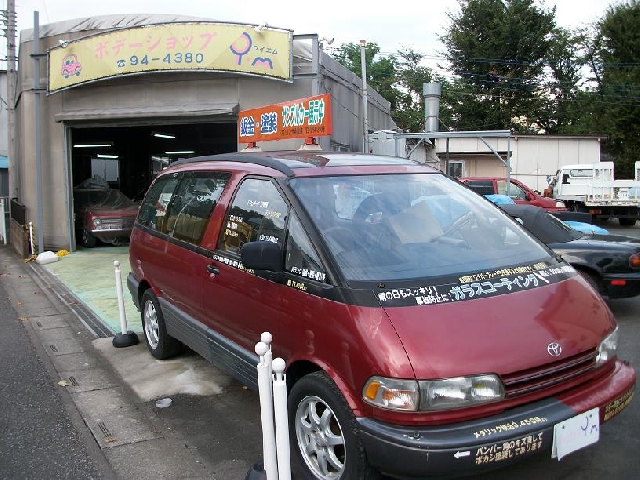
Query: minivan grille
{"x": 534, "y": 379}
{"x": 116, "y": 223}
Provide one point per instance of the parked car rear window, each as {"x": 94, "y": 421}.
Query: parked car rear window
{"x": 410, "y": 226}
{"x": 483, "y": 187}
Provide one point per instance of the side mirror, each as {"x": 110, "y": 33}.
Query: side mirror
{"x": 262, "y": 255}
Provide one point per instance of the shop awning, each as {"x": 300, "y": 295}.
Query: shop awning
{"x": 148, "y": 112}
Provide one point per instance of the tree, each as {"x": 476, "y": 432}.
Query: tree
{"x": 565, "y": 109}
{"x": 615, "y": 61}
{"x": 399, "y": 78}
{"x": 498, "y": 49}
{"x": 380, "y": 69}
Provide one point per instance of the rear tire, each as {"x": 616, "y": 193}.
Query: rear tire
{"x": 160, "y": 344}
{"x": 627, "y": 222}
{"x": 324, "y": 433}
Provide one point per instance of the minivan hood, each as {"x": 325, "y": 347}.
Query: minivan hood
{"x": 502, "y": 334}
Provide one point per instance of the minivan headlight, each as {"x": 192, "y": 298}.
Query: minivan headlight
{"x": 392, "y": 393}
{"x": 460, "y": 392}
{"x": 607, "y": 348}
{"x": 560, "y": 204}
{"x": 443, "y": 394}
{"x": 96, "y": 222}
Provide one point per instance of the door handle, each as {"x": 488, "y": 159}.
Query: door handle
{"x": 213, "y": 269}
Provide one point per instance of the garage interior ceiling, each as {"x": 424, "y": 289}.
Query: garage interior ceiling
{"x": 137, "y": 149}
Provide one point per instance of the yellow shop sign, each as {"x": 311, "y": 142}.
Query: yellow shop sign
{"x": 172, "y": 46}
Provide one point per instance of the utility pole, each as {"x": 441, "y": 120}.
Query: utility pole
{"x": 365, "y": 100}
{"x": 10, "y": 21}
{"x": 36, "y": 90}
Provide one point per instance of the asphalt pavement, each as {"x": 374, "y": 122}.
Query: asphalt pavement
{"x": 66, "y": 413}
{"x": 42, "y": 435}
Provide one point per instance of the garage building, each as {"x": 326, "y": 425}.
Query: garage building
{"x": 122, "y": 96}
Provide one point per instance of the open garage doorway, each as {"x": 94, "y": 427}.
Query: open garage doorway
{"x": 124, "y": 160}
{"x": 130, "y": 156}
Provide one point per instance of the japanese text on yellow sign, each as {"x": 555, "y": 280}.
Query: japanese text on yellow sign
{"x": 174, "y": 46}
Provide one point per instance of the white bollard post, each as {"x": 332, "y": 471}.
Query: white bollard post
{"x": 266, "y": 413}
{"x": 123, "y": 315}
{"x": 3, "y": 222}
{"x": 267, "y": 338}
{"x": 124, "y": 338}
{"x": 282, "y": 422}
{"x": 33, "y": 248}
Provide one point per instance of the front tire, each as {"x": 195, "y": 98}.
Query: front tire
{"x": 324, "y": 432}
{"x": 88, "y": 240}
{"x": 160, "y": 344}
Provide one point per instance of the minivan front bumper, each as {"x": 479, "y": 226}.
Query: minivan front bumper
{"x": 489, "y": 443}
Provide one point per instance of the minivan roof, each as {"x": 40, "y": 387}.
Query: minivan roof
{"x": 289, "y": 160}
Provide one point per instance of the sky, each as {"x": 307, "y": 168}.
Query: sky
{"x": 416, "y": 25}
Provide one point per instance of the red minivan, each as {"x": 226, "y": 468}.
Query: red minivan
{"x": 517, "y": 190}
{"x": 425, "y": 332}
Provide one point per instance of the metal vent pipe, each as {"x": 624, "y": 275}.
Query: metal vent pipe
{"x": 431, "y": 92}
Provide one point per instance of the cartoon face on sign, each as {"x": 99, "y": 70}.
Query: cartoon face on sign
{"x": 70, "y": 66}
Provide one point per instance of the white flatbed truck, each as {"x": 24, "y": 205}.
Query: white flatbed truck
{"x": 592, "y": 188}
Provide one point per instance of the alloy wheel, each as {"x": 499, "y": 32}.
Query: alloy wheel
{"x": 320, "y": 438}
{"x": 151, "y": 329}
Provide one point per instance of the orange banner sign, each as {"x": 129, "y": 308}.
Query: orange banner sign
{"x": 305, "y": 117}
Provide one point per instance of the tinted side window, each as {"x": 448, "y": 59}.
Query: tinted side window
{"x": 153, "y": 210}
{"x": 301, "y": 258}
{"x": 258, "y": 212}
{"x": 191, "y": 206}
{"x": 481, "y": 186}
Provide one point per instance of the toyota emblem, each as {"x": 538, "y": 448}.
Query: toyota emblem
{"x": 554, "y": 349}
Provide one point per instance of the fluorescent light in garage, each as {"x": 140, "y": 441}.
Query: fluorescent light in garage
{"x": 100, "y": 155}
{"x": 163, "y": 135}
{"x": 180, "y": 152}
{"x": 93, "y": 145}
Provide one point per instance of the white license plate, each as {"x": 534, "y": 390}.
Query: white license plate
{"x": 576, "y": 433}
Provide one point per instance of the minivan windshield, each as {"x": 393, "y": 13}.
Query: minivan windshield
{"x": 406, "y": 226}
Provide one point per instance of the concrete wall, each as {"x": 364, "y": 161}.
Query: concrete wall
{"x": 533, "y": 157}
{"x": 536, "y": 158}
